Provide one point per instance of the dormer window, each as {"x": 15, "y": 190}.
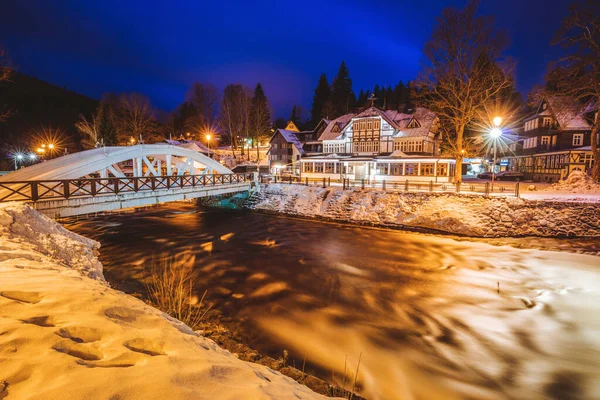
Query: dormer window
{"x": 547, "y": 122}
{"x": 413, "y": 124}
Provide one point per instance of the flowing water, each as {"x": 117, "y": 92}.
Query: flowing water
{"x": 431, "y": 317}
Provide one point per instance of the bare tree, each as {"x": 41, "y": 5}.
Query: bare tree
{"x": 463, "y": 73}
{"x": 246, "y": 110}
{"x": 204, "y": 98}
{"x": 90, "y": 130}
{"x": 232, "y": 119}
{"x": 260, "y": 117}
{"x": 136, "y": 118}
{"x": 4, "y": 77}
{"x": 235, "y": 113}
{"x": 578, "y": 74}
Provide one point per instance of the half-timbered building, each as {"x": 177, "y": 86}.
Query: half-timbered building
{"x": 378, "y": 145}
{"x": 555, "y": 140}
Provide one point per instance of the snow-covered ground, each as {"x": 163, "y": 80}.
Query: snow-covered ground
{"x": 578, "y": 187}
{"x": 470, "y": 215}
{"x": 65, "y": 334}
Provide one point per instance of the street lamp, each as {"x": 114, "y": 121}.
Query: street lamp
{"x": 208, "y": 137}
{"x": 495, "y": 133}
{"x": 18, "y": 158}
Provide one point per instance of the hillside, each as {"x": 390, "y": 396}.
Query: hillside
{"x": 39, "y": 106}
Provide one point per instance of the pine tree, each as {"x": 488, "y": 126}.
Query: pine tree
{"x": 400, "y": 94}
{"x": 293, "y": 116}
{"x": 342, "y": 95}
{"x": 378, "y": 96}
{"x": 320, "y": 99}
{"x": 361, "y": 102}
{"x": 390, "y": 101}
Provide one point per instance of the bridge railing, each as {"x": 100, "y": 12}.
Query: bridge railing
{"x": 33, "y": 191}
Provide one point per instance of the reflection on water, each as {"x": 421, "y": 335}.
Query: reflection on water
{"x": 433, "y": 317}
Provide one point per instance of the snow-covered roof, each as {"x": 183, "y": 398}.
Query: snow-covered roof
{"x": 340, "y": 122}
{"x": 568, "y": 112}
{"x": 398, "y": 153}
{"x": 398, "y": 120}
{"x": 191, "y": 145}
{"x": 290, "y": 137}
{"x": 424, "y": 118}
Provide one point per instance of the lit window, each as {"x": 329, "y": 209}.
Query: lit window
{"x": 578, "y": 139}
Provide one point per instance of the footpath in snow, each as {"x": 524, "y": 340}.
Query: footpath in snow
{"x": 469, "y": 215}
{"x": 65, "y": 334}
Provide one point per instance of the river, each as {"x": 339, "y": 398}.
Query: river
{"x": 429, "y": 316}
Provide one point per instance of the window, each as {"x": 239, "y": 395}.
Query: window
{"x": 427, "y": 169}
{"x": 308, "y": 167}
{"x": 547, "y": 122}
{"x": 442, "y": 169}
{"x": 382, "y": 169}
{"x": 545, "y": 140}
{"x": 396, "y": 169}
{"x": 412, "y": 169}
{"x": 318, "y": 168}
{"x": 578, "y": 139}
{"x": 329, "y": 168}
{"x": 396, "y": 146}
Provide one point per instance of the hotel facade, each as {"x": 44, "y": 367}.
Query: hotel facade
{"x": 377, "y": 145}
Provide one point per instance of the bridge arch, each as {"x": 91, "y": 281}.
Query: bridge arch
{"x": 145, "y": 159}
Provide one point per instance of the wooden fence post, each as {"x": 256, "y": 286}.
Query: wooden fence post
{"x": 34, "y": 191}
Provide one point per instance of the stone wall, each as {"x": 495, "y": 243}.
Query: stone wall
{"x": 468, "y": 215}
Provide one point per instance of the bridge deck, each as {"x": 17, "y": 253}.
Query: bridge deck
{"x": 61, "y": 198}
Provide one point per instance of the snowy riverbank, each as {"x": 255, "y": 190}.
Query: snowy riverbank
{"x": 468, "y": 215}
{"x": 64, "y": 333}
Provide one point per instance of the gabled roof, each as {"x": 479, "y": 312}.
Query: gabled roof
{"x": 568, "y": 112}
{"x": 423, "y": 120}
{"x": 291, "y": 126}
{"x": 290, "y": 137}
{"x": 191, "y": 145}
{"x": 340, "y": 123}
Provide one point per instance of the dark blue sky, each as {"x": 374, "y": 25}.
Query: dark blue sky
{"x": 160, "y": 47}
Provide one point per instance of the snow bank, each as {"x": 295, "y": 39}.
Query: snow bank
{"x": 458, "y": 214}
{"x": 66, "y": 335}
{"x": 32, "y": 232}
{"x": 578, "y": 182}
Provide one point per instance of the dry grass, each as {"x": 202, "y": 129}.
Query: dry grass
{"x": 171, "y": 289}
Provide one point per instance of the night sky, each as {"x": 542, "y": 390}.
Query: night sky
{"x": 160, "y": 47}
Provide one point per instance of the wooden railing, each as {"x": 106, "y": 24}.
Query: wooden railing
{"x": 482, "y": 188}
{"x": 32, "y": 191}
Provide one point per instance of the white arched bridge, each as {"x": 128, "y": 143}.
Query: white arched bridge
{"x": 111, "y": 178}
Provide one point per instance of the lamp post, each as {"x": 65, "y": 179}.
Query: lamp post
{"x": 495, "y": 133}
{"x": 18, "y": 158}
{"x": 208, "y": 137}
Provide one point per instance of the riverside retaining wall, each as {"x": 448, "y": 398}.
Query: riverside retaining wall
{"x": 468, "y": 215}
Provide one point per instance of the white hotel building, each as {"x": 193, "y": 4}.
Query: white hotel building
{"x": 378, "y": 145}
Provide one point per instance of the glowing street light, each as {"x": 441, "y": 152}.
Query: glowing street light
{"x": 32, "y": 156}
{"x": 208, "y": 137}
{"x": 51, "y": 146}
{"x": 495, "y": 133}
{"x": 18, "y": 158}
